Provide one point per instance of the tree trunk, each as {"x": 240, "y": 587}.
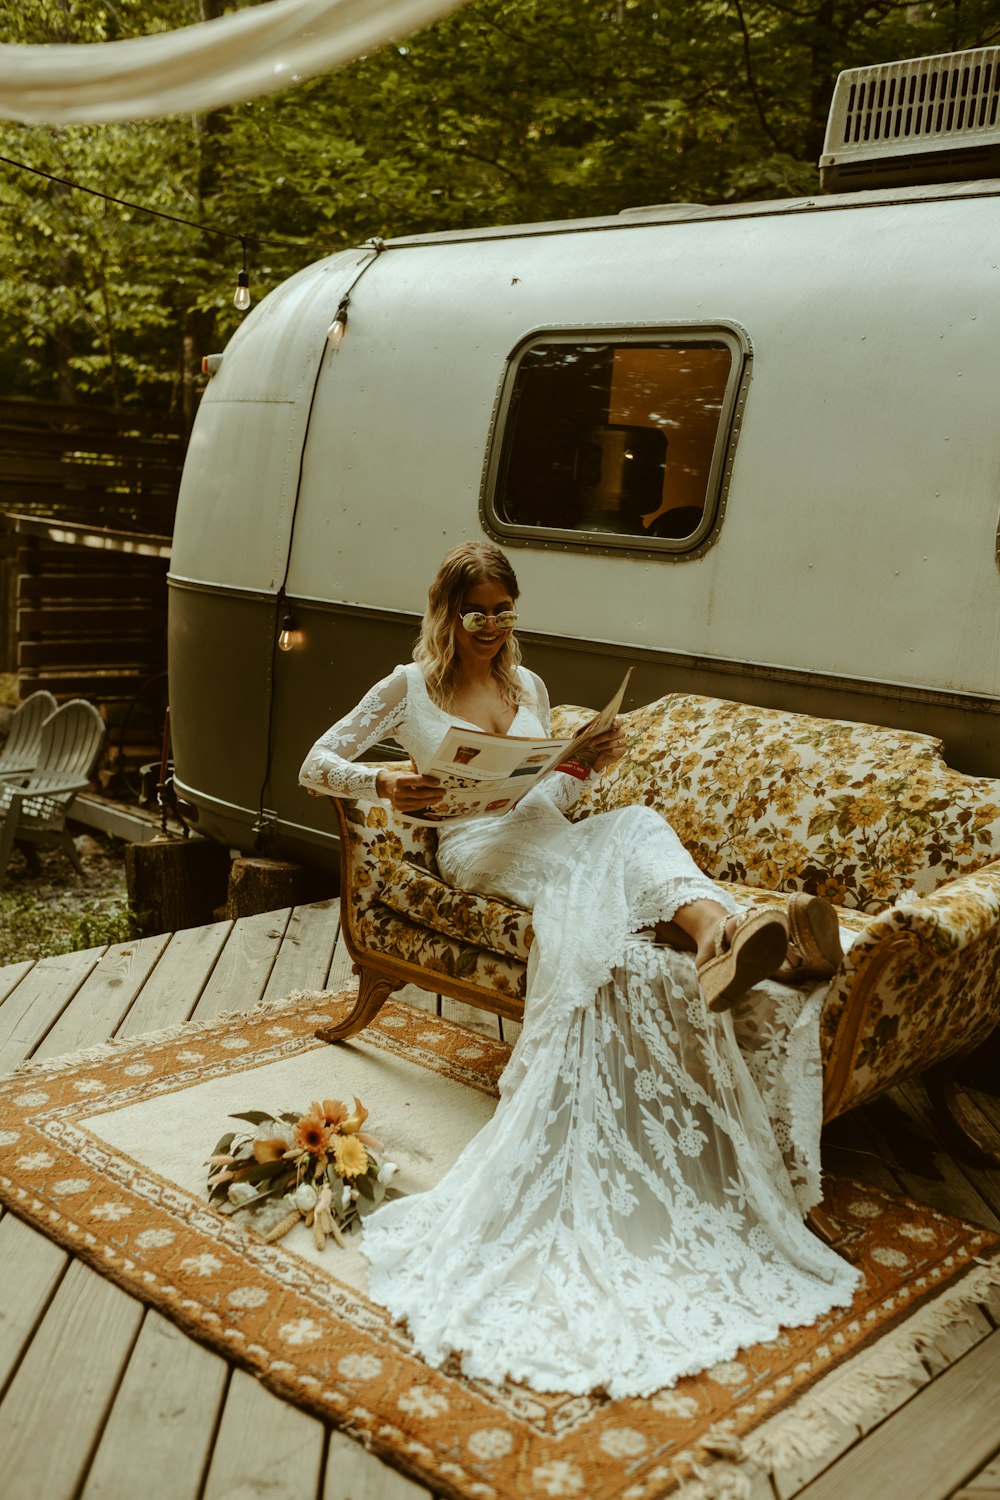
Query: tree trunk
{"x": 175, "y": 883}
{"x": 257, "y": 885}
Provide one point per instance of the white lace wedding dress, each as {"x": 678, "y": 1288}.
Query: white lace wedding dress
{"x": 633, "y": 1211}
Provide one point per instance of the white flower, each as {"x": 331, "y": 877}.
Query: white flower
{"x": 234, "y": 1043}
{"x": 422, "y": 1401}
{"x": 68, "y": 1186}
{"x": 302, "y": 1331}
{"x": 155, "y": 1239}
{"x": 190, "y": 1057}
{"x": 89, "y": 1086}
{"x": 247, "y": 1296}
{"x": 886, "y": 1257}
{"x": 111, "y": 1211}
{"x": 239, "y": 1193}
{"x": 558, "y": 1477}
{"x": 37, "y": 1161}
{"x": 921, "y": 1232}
{"x": 279, "y": 1031}
{"x": 395, "y": 1022}
{"x": 360, "y": 1367}
{"x": 471, "y": 1053}
{"x": 673, "y": 1405}
{"x": 387, "y": 1171}
{"x": 730, "y": 1372}
{"x": 863, "y": 1209}
{"x": 9, "y": 1137}
{"x": 490, "y": 1442}
{"x": 138, "y": 1070}
{"x": 305, "y": 1197}
{"x": 33, "y": 1100}
{"x": 623, "y": 1442}
{"x": 201, "y": 1265}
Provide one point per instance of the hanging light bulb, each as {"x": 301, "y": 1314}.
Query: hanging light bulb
{"x": 242, "y": 298}
{"x": 286, "y": 640}
{"x": 338, "y": 327}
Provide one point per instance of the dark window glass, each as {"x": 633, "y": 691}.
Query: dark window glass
{"x": 615, "y": 439}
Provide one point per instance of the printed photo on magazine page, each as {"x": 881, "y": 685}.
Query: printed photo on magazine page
{"x": 485, "y": 775}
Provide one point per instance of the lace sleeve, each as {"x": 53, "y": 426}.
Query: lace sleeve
{"x": 559, "y": 789}
{"x": 327, "y": 769}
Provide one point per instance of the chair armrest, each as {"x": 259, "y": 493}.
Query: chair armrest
{"x": 920, "y": 983}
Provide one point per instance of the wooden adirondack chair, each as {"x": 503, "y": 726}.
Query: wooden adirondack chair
{"x": 20, "y": 752}
{"x": 34, "y": 809}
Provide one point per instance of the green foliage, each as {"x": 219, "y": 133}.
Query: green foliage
{"x": 508, "y": 111}
{"x": 32, "y": 929}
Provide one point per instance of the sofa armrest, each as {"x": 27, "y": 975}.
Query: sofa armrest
{"x": 920, "y": 984}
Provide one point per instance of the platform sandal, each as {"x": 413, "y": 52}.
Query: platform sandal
{"x": 755, "y": 951}
{"x": 814, "y": 933}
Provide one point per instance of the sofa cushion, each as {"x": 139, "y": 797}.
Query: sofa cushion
{"x": 484, "y": 920}
{"x": 855, "y": 812}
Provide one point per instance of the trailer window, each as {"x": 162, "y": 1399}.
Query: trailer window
{"x": 614, "y": 441}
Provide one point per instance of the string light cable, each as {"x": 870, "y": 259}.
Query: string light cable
{"x": 242, "y": 297}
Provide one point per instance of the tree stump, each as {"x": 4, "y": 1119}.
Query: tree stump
{"x": 257, "y": 885}
{"x": 175, "y": 883}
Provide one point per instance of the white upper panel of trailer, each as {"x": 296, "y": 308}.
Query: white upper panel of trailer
{"x": 859, "y": 533}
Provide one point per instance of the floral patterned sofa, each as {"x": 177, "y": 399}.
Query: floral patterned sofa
{"x": 770, "y": 802}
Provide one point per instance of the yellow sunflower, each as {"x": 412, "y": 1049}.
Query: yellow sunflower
{"x": 349, "y": 1156}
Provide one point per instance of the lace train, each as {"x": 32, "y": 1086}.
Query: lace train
{"x": 631, "y": 1213}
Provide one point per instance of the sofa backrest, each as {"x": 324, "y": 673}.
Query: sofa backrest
{"x": 855, "y": 812}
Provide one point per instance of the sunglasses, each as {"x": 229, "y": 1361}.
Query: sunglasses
{"x": 476, "y": 619}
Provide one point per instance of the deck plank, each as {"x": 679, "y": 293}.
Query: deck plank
{"x": 31, "y": 1268}
{"x": 240, "y": 976}
{"x": 908, "y": 1456}
{"x": 56, "y": 1403}
{"x": 341, "y": 975}
{"x": 158, "y": 1439}
{"x": 103, "y": 1000}
{"x": 485, "y": 1022}
{"x": 354, "y": 1474}
{"x": 264, "y": 1446}
{"x": 306, "y": 951}
{"x": 37, "y": 1002}
{"x": 985, "y": 1485}
{"x": 11, "y": 976}
{"x": 175, "y": 986}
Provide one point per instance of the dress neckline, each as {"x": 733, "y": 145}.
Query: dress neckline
{"x": 457, "y": 718}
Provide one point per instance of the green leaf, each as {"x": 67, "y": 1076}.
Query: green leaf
{"x": 253, "y": 1116}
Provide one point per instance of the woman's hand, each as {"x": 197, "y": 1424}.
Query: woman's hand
{"x": 609, "y": 748}
{"x": 406, "y": 791}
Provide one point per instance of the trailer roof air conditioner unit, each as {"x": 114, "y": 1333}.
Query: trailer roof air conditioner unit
{"x": 929, "y": 119}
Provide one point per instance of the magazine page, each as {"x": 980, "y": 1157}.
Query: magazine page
{"x": 485, "y": 775}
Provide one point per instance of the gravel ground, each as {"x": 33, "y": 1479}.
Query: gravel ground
{"x": 54, "y": 911}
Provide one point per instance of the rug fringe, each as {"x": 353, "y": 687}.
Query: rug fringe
{"x": 845, "y": 1395}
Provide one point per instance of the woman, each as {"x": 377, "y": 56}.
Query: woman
{"x": 627, "y": 1216}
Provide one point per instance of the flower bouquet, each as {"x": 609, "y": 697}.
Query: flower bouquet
{"x": 319, "y": 1166}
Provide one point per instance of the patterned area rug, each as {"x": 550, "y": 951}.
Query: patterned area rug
{"x": 104, "y": 1153}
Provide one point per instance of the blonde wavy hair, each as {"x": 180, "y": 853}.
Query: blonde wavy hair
{"x": 435, "y": 655}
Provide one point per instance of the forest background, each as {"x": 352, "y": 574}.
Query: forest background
{"x": 508, "y": 111}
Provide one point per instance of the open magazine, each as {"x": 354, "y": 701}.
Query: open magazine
{"x": 485, "y": 775}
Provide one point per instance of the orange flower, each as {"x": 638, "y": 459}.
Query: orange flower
{"x": 311, "y": 1133}
{"x": 334, "y": 1112}
{"x": 349, "y": 1156}
{"x": 354, "y": 1122}
{"x": 271, "y": 1149}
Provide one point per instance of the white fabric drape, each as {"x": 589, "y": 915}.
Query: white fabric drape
{"x": 197, "y": 68}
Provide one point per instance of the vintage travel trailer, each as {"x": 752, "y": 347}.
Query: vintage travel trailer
{"x": 752, "y": 449}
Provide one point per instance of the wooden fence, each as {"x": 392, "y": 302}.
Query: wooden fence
{"x": 89, "y": 499}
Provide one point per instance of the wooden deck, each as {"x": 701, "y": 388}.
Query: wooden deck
{"x": 103, "y": 1399}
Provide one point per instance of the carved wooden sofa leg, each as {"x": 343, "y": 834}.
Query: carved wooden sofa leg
{"x": 827, "y": 1229}
{"x": 373, "y": 991}
{"x": 957, "y": 1116}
